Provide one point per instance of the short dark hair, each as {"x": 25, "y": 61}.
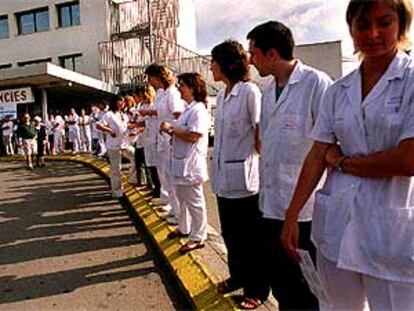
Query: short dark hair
{"x": 162, "y": 72}
{"x": 273, "y": 35}
{"x": 113, "y": 103}
{"x": 196, "y": 82}
{"x": 232, "y": 59}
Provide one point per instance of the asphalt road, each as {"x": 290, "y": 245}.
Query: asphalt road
{"x": 65, "y": 244}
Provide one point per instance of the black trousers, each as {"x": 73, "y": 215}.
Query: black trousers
{"x": 284, "y": 275}
{"x": 240, "y": 226}
{"x": 155, "y": 181}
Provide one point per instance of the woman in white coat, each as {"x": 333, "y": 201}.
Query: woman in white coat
{"x": 363, "y": 222}
{"x": 235, "y": 172}
{"x": 115, "y": 122}
{"x": 189, "y": 160}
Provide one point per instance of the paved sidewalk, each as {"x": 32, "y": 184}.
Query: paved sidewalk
{"x": 197, "y": 272}
{"x": 65, "y": 244}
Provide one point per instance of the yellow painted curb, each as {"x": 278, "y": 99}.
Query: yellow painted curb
{"x": 199, "y": 285}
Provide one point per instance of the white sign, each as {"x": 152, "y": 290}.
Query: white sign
{"x": 16, "y": 96}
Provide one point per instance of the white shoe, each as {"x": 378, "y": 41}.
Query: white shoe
{"x": 172, "y": 220}
{"x": 165, "y": 208}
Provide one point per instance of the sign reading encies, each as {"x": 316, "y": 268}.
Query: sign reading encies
{"x": 10, "y": 98}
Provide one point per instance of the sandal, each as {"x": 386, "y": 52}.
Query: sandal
{"x": 176, "y": 234}
{"x": 190, "y": 246}
{"x": 227, "y": 286}
{"x": 250, "y": 303}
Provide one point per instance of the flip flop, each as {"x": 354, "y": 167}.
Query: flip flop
{"x": 190, "y": 246}
{"x": 250, "y": 303}
{"x": 176, "y": 234}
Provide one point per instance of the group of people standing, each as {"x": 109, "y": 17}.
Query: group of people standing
{"x": 308, "y": 164}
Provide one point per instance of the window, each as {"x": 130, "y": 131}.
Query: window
{"x": 4, "y": 26}
{"x": 33, "y": 21}
{"x": 70, "y": 61}
{"x": 34, "y": 62}
{"x": 69, "y": 14}
{"x": 5, "y": 66}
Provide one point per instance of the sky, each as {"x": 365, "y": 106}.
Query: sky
{"x": 310, "y": 20}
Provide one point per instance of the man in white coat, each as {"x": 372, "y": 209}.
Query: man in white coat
{"x": 290, "y": 104}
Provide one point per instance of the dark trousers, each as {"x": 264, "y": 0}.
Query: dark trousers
{"x": 95, "y": 146}
{"x": 140, "y": 165}
{"x": 284, "y": 275}
{"x": 240, "y": 226}
{"x": 155, "y": 181}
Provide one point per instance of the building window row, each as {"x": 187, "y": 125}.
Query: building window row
{"x": 71, "y": 62}
{"x": 39, "y": 20}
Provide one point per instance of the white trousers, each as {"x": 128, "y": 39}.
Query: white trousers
{"x": 115, "y": 161}
{"x": 350, "y": 290}
{"x": 163, "y": 161}
{"x": 86, "y": 138}
{"x": 192, "y": 217}
{"x": 75, "y": 139}
{"x": 57, "y": 141}
{"x": 8, "y": 145}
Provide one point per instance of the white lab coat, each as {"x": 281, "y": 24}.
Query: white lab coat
{"x": 189, "y": 160}
{"x": 285, "y": 128}
{"x": 366, "y": 225}
{"x": 235, "y": 163}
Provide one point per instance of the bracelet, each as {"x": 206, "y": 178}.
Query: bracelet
{"x": 340, "y": 165}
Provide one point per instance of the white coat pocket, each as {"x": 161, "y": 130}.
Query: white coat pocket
{"x": 330, "y": 216}
{"x": 242, "y": 175}
{"x": 179, "y": 167}
{"x": 394, "y": 244}
{"x": 235, "y": 174}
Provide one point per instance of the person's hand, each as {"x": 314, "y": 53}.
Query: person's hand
{"x": 165, "y": 126}
{"x": 333, "y": 156}
{"x": 290, "y": 238}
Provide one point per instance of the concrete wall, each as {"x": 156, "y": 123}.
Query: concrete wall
{"x": 325, "y": 56}
{"x": 57, "y": 41}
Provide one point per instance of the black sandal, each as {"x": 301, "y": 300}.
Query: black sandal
{"x": 176, "y": 234}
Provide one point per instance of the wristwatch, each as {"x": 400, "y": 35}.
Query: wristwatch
{"x": 340, "y": 165}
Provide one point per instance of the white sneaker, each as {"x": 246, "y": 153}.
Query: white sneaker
{"x": 172, "y": 220}
{"x": 165, "y": 208}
